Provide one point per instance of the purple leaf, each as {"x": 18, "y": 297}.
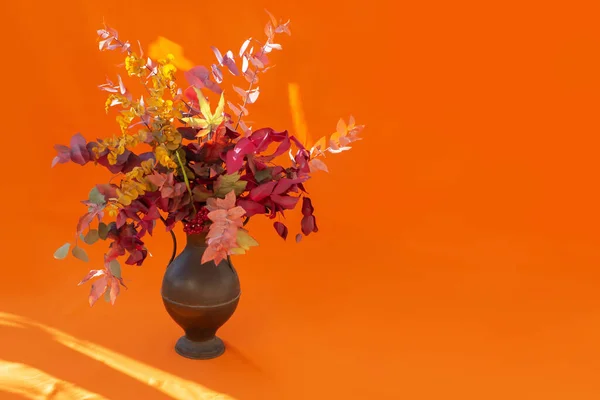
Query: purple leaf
{"x": 281, "y": 229}
{"x": 199, "y": 77}
{"x": 262, "y": 191}
{"x": 79, "y": 153}
{"x": 230, "y": 64}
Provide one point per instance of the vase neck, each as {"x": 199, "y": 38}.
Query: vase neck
{"x": 196, "y": 240}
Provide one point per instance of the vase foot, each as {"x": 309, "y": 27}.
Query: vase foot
{"x": 211, "y": 348}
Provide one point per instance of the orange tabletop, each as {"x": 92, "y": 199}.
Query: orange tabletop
{"x": 458, "y": 249}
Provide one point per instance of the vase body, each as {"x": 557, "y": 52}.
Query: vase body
{"x": 200, "y": 298}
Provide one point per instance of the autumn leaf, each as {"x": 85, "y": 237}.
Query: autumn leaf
{"x": 226, "y": 220}
{"x": 80, "y": 253}
{"x": 211, "y": 121}
{"x": 91, "y": 237}
{"x": 227, "y": 183}
{"x": 281, "y": 229}
{"x": 317, "y": 165}
{"x": 244, "y": 241}
{"x": 62, "y": 251}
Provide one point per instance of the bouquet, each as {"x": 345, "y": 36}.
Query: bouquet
{"x": 180, "y": 157}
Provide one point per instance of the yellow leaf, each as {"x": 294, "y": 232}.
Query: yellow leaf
{"x": 204, "y": 106}
{"x": 244, "y": 240}
{"x": 195, "y": 122}
{"x": 220, "y": 107}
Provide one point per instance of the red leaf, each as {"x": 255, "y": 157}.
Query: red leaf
{"x": 235, "y": 157}
{"x": 262, "y": 191}
{"x": 281, "y": 229}
{"x": 309, "y": 224}
{"x": 287, "y": 202}
{"x": 252, "y": 207}
{"x": 284, "y": 184}
{"x": 307, "y": 208}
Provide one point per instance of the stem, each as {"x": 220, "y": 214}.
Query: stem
{"x": 187, "y": 182}
{"x": 174, "y": 241}
{"x": 262, "y": 51}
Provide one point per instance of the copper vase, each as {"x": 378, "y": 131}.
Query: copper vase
{"x": 200, "y": 298}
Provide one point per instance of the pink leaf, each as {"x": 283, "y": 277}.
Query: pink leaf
{"x": 244, "y": 46}
{"x": 233, "y": 108}
{"x": 262, "y": 191}
{"x": 115, "y": 288}
{"x": 92, "y": 274}
{"x": 269, "y": 30}
{"x": 253, "y": 95}
{"x": 256, "y": 62}
{"x": 281, "y": 229}
{"x": 298, "y": 237}
{"x": 317, "y": 165}
{"x": 97, "y": 290}
{"x": 241, "y": 92}
{"x": 217, "y": 54}
{"x": 217, "y": 74}
{"x": 244, "y": 64}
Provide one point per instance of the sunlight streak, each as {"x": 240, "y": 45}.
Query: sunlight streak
{"x": 169, "y": 384}
{"x": 34, "y": 384}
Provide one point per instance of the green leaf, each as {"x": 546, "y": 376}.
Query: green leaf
{"x": 102, "y": 230}
{"x": 227, "y": 183}
{"x": 62, "y": 251}
{"x": 107, "y": 295}
{"x": 91, "y": 237}
{"x": 201, "y": 194}
{"x": 115, "y": 268}
{"x": 96, "y": 197}
{"x": 80, "y": 253}
{"x": 263, "y": 174}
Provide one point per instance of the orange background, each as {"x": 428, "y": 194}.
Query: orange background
{"x": 458, "y": 259}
